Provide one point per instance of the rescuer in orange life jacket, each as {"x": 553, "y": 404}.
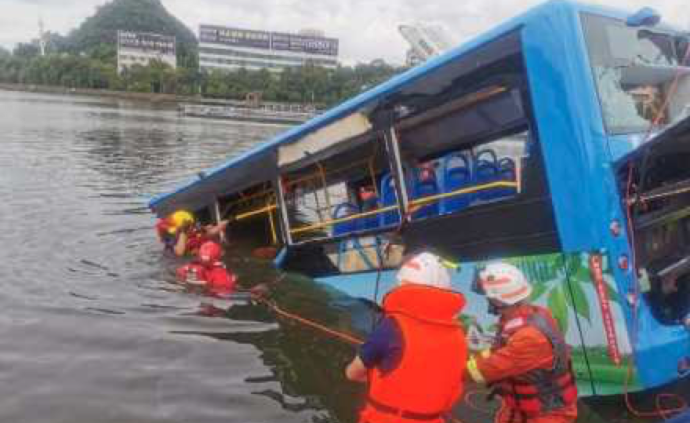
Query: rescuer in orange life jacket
{"x": 415, "y": 359}
{"x": 208, "y": 272}
{"x": 180, "y": 234}
{"x": 529, "y": 364}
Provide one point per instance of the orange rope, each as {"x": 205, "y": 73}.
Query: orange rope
{"x": 356, "y": 341}
{"x": 340, "y": 335}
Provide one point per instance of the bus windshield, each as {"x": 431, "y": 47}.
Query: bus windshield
{"x": 634, "y": 69}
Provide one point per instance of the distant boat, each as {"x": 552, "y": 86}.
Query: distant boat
{"x": 288, "y": 114}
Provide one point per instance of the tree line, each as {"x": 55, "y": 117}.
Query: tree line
{"x": 87, "y": 58}
{"x": 98, "y": 70}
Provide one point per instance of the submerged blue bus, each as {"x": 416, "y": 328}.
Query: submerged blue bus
{"x": 558, "y": 141}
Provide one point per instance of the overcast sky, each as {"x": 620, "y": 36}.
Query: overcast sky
{"x": 367, "y": 29}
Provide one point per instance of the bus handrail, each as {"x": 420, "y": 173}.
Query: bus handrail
{"x": 417, "y": 202}
{"x": 252, "y": 213}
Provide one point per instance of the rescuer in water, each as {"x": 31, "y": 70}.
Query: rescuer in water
{"x": 529, "y": 365}
{"x": 180, "y": 234}
{"x": 208, "y": 273}
{"x": 414, "y": 360}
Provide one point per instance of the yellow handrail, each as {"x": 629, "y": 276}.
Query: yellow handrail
{"x": 331, "y": 172}
{"x": 324, "y": 182}
{"x": 247, "y": 199}
{"x": 256, "y": 195}
{"x": 256, "y": 212}
{"x": 417, "y": 202}
{"x": 433, "y": 198}
{"x": 420, "y": 201}
{"x": 342, "y": 219}
{"x": 274, "y": 235}
{"x": 372, "y": 175}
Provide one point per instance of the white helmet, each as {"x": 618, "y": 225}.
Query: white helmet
{"x": 504, "y": 283}
{"x": 425, "y": 269}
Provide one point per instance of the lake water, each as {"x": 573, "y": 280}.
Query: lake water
{"x": 92, "y": 328}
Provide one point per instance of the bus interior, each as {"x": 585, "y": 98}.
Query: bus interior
{"x": 469, "y": 169}
{"x": 655, "y": 183}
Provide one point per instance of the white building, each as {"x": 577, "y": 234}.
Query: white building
{"x": 222, "y": 48}
{"x": 426, "y": 41}
{"x": 136, "y": 48}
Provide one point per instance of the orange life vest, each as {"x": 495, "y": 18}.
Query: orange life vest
{"x": 428, "y": 380}
{"x": 543, "y": 390}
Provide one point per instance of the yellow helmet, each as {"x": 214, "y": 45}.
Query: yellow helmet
{"x": 180, "y": 218}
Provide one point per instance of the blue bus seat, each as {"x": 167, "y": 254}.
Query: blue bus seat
{"x": 425, "y": 188}
{"x": 344, "y": 210}
{"x": 457, "y": 174}
{"x": 370, "y": 222}
{"x": 485, "y": 172}
{"x": 388, "y": 198}
{"x": 506, "y": 169}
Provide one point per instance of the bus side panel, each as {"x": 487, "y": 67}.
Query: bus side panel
{"x": 582, "y": 182}
{"x": 570, "y": 127}
{"x": 575, "y": 146}
{"x": 561, "y": 282}
{"x": 595, "y": 304}
{"x": 662, "y": 354}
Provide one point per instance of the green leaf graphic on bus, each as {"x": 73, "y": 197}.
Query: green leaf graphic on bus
{"x": 559, "y": 307}
{"x": 561, "y": 282}
{"x": 580, "y": 301}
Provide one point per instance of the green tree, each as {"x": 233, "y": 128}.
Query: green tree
{"x": 27, "y": 50}
{"x": 215, "y": 85}
{"x": 86, "y": 58}
{"x": 132, "y": 15}
{"x": 187, "y": 81}
{"x": 56, "y": 43}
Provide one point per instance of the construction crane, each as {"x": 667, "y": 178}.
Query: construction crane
{"x": 426, "y": 41}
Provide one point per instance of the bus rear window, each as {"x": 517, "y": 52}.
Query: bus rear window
{"x": 634, "y": 69}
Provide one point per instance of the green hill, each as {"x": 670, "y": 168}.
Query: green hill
{"x": 97, "y": 35}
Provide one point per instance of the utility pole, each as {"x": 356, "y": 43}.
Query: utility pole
{"x": 42, "y": 38}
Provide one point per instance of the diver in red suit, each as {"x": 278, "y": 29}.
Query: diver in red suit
{"x": 208, "y": 273}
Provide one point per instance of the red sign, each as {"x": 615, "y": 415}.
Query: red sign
{"x": 597, "y": 274}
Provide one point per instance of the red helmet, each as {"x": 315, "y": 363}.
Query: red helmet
{"x": 209, "y": 252}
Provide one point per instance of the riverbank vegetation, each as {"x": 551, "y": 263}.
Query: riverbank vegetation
{"x": 86, "y": 58}
{"x": 308, "y": 84}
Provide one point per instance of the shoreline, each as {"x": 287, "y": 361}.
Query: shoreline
{"x": 172, "y": 99}
{"x": 153, "y": 98}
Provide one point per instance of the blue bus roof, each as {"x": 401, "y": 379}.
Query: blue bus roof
{"x": 259, "y": 163}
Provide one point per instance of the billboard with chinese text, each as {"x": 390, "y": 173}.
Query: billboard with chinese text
{"x": 268, "y": 40}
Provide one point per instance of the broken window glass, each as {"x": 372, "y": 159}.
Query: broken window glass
{"x": 634, "y": 70}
